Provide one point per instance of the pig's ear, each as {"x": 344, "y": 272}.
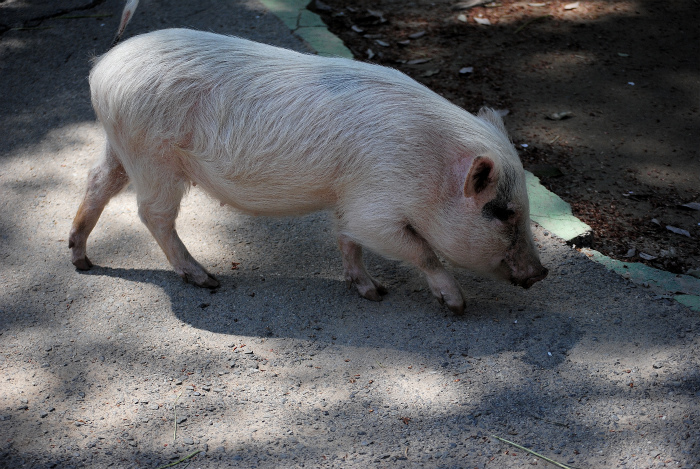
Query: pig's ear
{"x": 481, "y": 178}
{"x": 492, "y": 117}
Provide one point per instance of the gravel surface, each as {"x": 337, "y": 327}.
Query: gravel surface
{"x": 127, "y": 366}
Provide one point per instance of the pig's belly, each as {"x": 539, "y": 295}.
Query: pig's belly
{"x": 272, "y": 198}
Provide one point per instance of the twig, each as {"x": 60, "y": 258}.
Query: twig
{"x": 75, "y": 17}
{"x": 175, "y": 417}
{"x": 554, "y": 140}
{"x": 538, "y": 18}
{"x": 180, "y": 460}
{"x": 29, "y": 29}
{"x": 558, "y": 464}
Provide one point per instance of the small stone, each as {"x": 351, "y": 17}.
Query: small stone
{"x": 153, "y": 406}
{"x": 188, "y": 441}
{"x": 181, "y": 419}
{"x": 43, "y": 414}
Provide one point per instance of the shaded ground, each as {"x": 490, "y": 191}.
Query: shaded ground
{"x": 628, "y": 71}
{"x": 284, "y": 367}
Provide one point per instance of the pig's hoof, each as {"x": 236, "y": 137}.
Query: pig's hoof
{"x": 207, "y": 282}
{"x": 457, "y": 306}
{"x": 373, "y": 292}
{"x": 457, "y": 309}
{"x": 83, "y": 263}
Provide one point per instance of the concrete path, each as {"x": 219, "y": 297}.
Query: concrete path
{"x": 126, "y": 366}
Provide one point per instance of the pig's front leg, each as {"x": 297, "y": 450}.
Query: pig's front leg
{"x": 443, "y": 285}
{"x": 355, "y": 272}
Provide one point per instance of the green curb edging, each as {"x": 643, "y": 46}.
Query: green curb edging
{"x": 683, "y": 288}
{"x": 546, "y": 208}
{"x": 553, "y": 214}
{"x": 308, "y": 26}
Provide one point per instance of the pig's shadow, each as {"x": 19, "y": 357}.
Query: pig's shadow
{"x": 323, "y": 310}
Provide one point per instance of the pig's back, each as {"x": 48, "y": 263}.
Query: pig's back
{"x": 273, "y": 131}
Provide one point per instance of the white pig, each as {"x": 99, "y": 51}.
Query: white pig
{"x": 274, "y": 132}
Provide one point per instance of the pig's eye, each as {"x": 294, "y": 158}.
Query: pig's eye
{"x": 497, "y": 210}
{"x": 503, "y": 213}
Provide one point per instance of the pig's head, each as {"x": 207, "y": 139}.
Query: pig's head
{"x": 485, "y": 225}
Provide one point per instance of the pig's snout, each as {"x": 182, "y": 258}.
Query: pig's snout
{"x": 534, "y": 276}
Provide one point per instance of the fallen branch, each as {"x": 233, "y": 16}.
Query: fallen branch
{"x": 180, "y": 460}
{"x": 558, "y": 464}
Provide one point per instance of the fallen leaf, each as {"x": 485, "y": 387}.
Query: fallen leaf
{"x": 370, "y": 54}
{"x": 377, "y": 14}
{"x": 646, "y": 257}
{"x": 557, "y": 116}
{"x": 357, "y": 29}
{"x": 382, "y": 43}
{"x": 417, "y": 35}
{"x": 655, "y": 221}
{"x": 466, "y": 70}
{"x": 692, "y": 205}
{"x": 483, "y": 21}
{"x": 418, "y": 61}
{"x": 319, "y": 5}
{"x": 536, "y": 5}
{"x": 404, "y": 43}
{"x": 468, "y": 4}
{"x": 631, "y": 252}
{"x": 622, "y": 54}
{"x": 572, "y": 6}
{"x": 462, "y": 18}
{"x": 430, "y": 73}
{"x": 679, "y": 231}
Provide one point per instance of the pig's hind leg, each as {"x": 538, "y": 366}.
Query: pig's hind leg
{"x": 105, "y": 181}
{"x": 159, "y": 191}
{"x": 355, "y": 272}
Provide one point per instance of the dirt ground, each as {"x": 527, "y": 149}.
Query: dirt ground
{"x": 626, "y": 158}
{"x": 125, "y": 366}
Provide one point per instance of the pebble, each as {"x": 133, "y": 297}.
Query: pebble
{"x": 153, "y": 406}
{"x": 188, "y": 441}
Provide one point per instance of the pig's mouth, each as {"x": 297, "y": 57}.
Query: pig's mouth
{"x": 527, "y": 282}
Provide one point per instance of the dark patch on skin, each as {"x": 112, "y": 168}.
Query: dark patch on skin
{"x": 498, "y": 206}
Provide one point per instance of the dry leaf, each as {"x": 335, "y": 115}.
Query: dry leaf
{"x": 417, "y": 35}
{"x": 418, "y": 61}
{"x": 466, "y": 70}
{"x": 572, "y": 6}
{"x": 483, "y": 21}
{"x": 357, "y": 29}
{"x": 679, "y": 231}
{"x": 468, "y": 4}
{"x": 557, "y": 116}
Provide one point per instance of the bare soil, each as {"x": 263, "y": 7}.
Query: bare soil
{"x": 626, "y": 159}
